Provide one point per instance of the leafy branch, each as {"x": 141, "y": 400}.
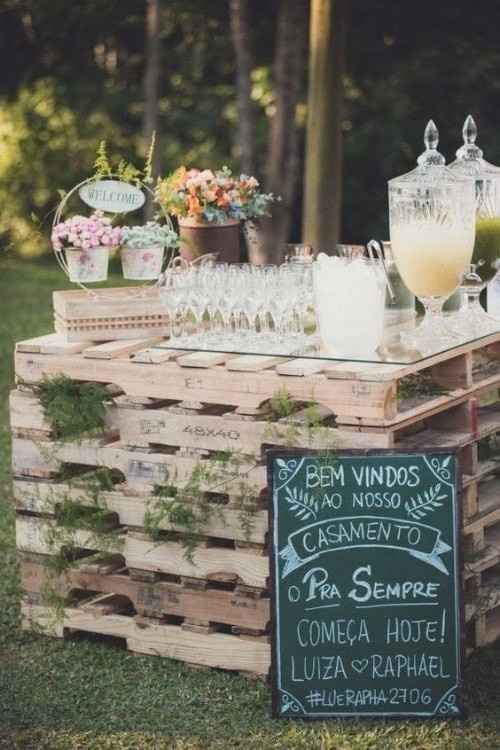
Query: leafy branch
{"x": 418, "y": 507}
{"x": 125, "y": 170}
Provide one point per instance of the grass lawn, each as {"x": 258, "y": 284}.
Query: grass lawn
{"x": 82, "y": 695}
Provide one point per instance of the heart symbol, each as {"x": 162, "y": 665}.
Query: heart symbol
{"x": 359, "y": 665}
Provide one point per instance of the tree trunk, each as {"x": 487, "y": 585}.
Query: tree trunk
{"x": 323, "y": 165}
{"x": 283, "y": 161}
{"x": 151, "y": 87}
{"x": 240, "y": 32}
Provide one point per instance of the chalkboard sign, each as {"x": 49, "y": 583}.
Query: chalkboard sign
{"x": 366, "y": 589}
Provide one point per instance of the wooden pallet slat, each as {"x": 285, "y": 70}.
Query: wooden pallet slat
{"x": 52, "y": 343}
{"x": 212, "y": 650}
{"x": 112, "y": 349}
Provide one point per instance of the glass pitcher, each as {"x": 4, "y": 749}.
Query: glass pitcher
{"x": 432, "y": 218}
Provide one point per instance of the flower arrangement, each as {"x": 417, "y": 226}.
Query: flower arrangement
{"x": 151, "y": 234}
{"x": 86, "y": 233}
{"x": 212, "y": 197}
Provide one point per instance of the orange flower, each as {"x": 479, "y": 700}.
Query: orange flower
{"x": 194, "y": 206}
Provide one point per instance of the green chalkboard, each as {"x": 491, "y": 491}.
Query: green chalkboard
{"x": 366, "y": 588}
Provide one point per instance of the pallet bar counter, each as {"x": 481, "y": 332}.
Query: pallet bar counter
{"x": 189, "y": 430}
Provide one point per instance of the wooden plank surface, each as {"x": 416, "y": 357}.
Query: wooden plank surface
{"x": 300, "y": 367}
{"x": 212, "y": 650}
{"x": 203, "y": 359}
{"x": 154, "y": 599}
{"x": 224, "y": 522}
{"x": 155, "y": 355}
{"x": 253, "y": 362}
{"x": 113, "y": 349}
{"x": 52, "y": 343}
{"x": 218, "y": 385}
{"x": 141, "y": 469}
{"x": 126, "y": 302}
{"x": 95, "y": 333}
{"x": 32, "y": 535}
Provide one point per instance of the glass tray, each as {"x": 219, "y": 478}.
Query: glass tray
{"x": 391, "y": 351}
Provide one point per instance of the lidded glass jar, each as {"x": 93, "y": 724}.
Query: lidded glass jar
{"x": 432, "y": 223}
{"x": 470, "y": 163}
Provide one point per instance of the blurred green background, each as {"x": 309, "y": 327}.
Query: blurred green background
{"x": 73, "y": 74}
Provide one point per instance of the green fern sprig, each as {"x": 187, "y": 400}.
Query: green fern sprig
{"x": 148, "y": 165}
{"x": 102, "y": 165}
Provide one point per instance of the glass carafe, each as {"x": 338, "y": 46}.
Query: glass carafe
{"x": 432, "y": 223}
{"x": 471, "y": 320}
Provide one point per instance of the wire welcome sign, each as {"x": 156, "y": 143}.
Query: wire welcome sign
{"x": 109, "y": 196}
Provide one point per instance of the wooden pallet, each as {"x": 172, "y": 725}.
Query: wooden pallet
{"x": 243, "y": 653}
{"x": 360, "y": 396}
{"x": 191, "y": 600}
{"x": 109, "y": 314}
{"x": 172, "y": 410}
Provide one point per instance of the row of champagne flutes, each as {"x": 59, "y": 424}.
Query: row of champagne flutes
{"x": 218, "y": 305}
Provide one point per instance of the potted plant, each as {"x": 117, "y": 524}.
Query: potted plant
{"x": 209, "y": 207}
{"x": 86, "y": 241}
{"x": 143, "y": 248}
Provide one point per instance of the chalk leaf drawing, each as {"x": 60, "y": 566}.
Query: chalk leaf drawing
{"x": 302, "y": 505}
{"x": 427, "y": 502}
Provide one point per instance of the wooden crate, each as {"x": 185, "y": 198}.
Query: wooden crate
{"x": 109, "y": 314}
{"x": 172, "y": 410}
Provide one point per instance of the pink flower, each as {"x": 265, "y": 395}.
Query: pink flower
{"x": 85, "y": 232}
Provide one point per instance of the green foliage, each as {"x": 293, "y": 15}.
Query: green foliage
{"x": 418, "y": 386}
{"x": 74, "y": 409}
{"x": 281, "y": 404}
{"x": 79, "y": 519}
{"x": 102, "y": 166}
{"x": 189, "y": 508}
{"x": 44, "y": 144}
{"x": 125, "y": 170}
{"x": 169, "y": 509}
{"x": 148, "y": 235}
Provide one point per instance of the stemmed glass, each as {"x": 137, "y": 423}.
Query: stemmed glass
{"x": 432, "y": 224}
{"x": 259, "y": 307}
{"x": 174, "y": 294}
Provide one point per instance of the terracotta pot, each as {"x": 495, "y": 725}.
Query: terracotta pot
{"x": 142, "y": 264}
{"x": 88, "y": 265}
{"x": 198, "y": 238}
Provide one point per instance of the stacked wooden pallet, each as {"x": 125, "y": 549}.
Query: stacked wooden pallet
{"x": 171, "y": 412}
{"x": 104, "y": 314}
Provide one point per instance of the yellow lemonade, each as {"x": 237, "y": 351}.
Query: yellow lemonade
{"x": 430, "y": 257}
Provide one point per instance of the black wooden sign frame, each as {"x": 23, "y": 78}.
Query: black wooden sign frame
{"x": 456, "y": 710}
